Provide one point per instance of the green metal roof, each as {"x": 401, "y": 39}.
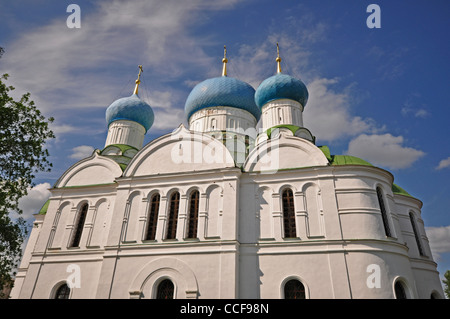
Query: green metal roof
{"x": 293, "y": 128}
{"x": 123, "y": 147}
{"x": 348, "y": 160}
{"x": 339, "y": 160}
{"x": 44, "y": 208}
{"x": 398, "y": 190}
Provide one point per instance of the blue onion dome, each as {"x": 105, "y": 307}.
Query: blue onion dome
{"x": 222, "y": 91}
{"x": 131, "y": 108}
{"x": 281, "y": 86}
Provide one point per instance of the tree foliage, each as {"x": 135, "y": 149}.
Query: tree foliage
{"x": 446, "y": 282}
{"x": 23, "y": 134}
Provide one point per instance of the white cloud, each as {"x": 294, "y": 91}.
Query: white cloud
{"x": 444, "y": 163}
{"x": 33, "y": 202}
{"x": 328, "y": 114}
{"x": 416, "y": 112}
{"x": 52, "y": 61}
{"x": 439, "y": 238}
{"x": 81, "y": 151}
{"x": 384, "y": 150}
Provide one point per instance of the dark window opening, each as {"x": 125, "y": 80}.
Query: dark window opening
{"x": 416, "y": 234}
{"x": 79, "y": 226}
{"x": 294, "y": 289}
{"x": 193, "y": 214}
{"x": 165, "y": 290}
{"x": 399, "y": 291}
{"x": 173, "y": 216}
{"x": 383, "y": 212}
{"x": 63, "y": 292}
{"x": 153, "y": 217}
{"x": 288, "y": 214}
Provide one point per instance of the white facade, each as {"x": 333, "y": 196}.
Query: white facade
{"x": 119, "y": 223}
{"x": 240, "y": 250}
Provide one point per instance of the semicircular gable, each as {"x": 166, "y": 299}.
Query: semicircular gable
{"x": 284, "y": 152}
{"x": 180, "y": 151}
{"x": 93, "y": 170}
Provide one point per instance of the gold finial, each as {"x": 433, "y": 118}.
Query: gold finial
{"x": 224, "y": 61}
{"x": 138, "y": 81}
{"x": 278, "y": 59}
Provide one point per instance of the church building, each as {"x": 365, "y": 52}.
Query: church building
{"x": 221, "y": 209}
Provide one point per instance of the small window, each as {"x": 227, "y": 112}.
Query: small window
{"x": 79, "y": 226}
{"x": 193, "y": 214}
{"x": 63, "y": 292}
{"x": 173, "y": 216}
{"x": 153, "y": 217}
{"x": 232, "y": 124}
{"x": 400, "y": 292}
{"x": 294, "y": 289}
{"x": 288, "y": 214}
{"x": 416, "y": 233}
{"x": 383, "y": 212}
{"x": 165, "y": 290}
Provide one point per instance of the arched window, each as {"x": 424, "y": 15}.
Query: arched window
{"x": 434, "y": 295}
{"x": 165, "y": 290}
{"x": 153, "y": 217}
{"x": 400, "y": 292}
{"x": 288, "y": 213}
{"x": 416, "y": 233}
{"x": 383, "y": 212}
{"x": 79, "y": 226}
{"x": 63, "y": 292}
{"x": 294, "y": 289}
{"x": 193, "y": 214}
{"x": 173, "y": 216}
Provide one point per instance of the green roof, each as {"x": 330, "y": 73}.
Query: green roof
{"x": 122, "y": 147}
{"x": 398, "y": 190}
{"x": 293, "y": 128}
{"x": 44, "y": 208}
{"x": 127, "y": 153}
{"x": 348, "y": 160}
{"x": 339, "y": 160}
{"x": 326, "y": 152}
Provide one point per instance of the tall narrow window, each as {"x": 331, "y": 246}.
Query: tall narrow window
{"x": 165, "y": 290}
{"x": 153, "y": 217}
{"x": 63, "y": 292}
{"x": 288, "y": 214}
{"x": 416, "y": 233}
{"x": 79, "y": 226}
{"x": 294, "y": 289}
{"x": 399, "y": 291}
{"x": 193, "y": 214}
{"x": 383, "y": 212}
{"x": 173, "y": 216}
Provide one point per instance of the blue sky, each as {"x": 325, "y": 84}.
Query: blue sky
{"x": 380, "y": 94}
